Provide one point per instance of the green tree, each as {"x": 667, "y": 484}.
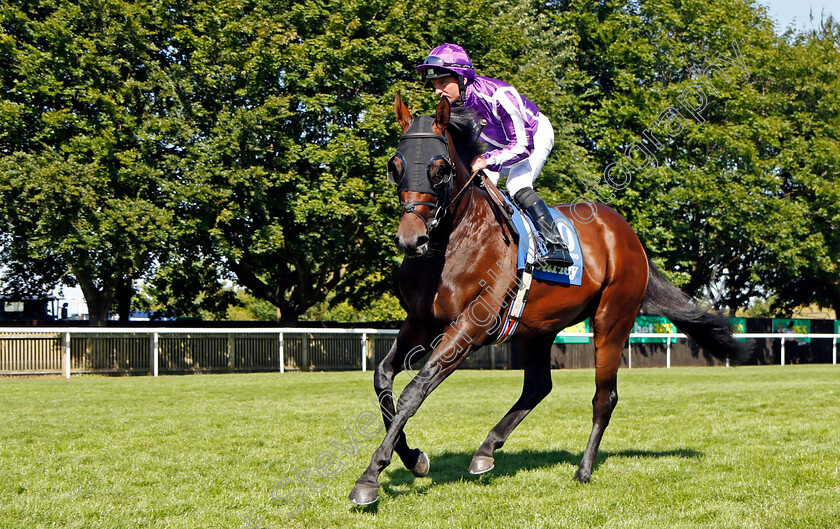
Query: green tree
{"x": 800, "y": 237}
{"x": 293, "y": 111}
{"x": 711, "y": 159}
{"x": 84, "y": 128}
{"x": 284, "y": 192}
{"x": 197, "y": 144}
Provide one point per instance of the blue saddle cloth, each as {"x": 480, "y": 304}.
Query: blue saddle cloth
{"x": 571, "y": 275}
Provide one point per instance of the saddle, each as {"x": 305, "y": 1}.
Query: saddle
{"x": 528, "y": 263}
{"x": 531, "y": 244}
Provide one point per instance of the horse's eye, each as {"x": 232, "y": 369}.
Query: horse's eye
{"x": 439, "y": 171}
{"x": 396, "y": 168}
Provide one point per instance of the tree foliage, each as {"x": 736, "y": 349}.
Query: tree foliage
{"x": 83, "y": 150}
{"x": 712, "y": 160}
{"x": 197, "y": 144}
{"x": 800, "y": 260}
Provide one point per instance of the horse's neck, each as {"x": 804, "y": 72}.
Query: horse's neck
{"x": 462, "y": 251}
{"x": 474, "y": 223}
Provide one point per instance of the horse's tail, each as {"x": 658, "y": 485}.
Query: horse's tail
{"x": 708, "y": 330}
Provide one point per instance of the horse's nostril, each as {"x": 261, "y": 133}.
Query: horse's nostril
{"x": 412, "y": 247}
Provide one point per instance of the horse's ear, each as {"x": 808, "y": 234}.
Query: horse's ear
{"x": 442, "y": 115}
{"x": 403, "y": 115}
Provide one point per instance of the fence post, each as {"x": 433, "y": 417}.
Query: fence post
{"x": 231, "y": 362}
{"x": 783, "y": 350}
{"x": 155, "y": 353}
{"x": 493, "y": 356}
{"x": 834, "y": 351}
{"x": 364, "y": 352}
{"x": 282, "y": 360}
{"x": 668, "y": 353}
{"x": 629, "y": 354}
{"x": 305, "y": 365}
{"x": 66, "y": 362}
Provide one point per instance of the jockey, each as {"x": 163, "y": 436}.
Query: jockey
{"x": 519, "y": 138}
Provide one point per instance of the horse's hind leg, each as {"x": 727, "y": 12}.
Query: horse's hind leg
{"x": 408, "y": 347}
{"x": 537, "y": 384}
{"x": 611, "y": 331}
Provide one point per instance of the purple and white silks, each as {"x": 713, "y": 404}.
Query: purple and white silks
{"x": 519, "y": 137}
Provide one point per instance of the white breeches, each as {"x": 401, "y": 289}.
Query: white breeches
{"x": 523, "y": 174}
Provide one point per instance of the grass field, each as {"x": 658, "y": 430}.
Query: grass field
{"x": 711, "y": 447}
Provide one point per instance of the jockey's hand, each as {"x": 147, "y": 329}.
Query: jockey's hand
{"x": 478, "y": 163}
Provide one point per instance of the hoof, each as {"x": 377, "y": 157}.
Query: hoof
{"x": 364, "y": 494}
{"x": 421, "y": 467}
{"x": 481, "y": 464}
{"x": 582, "y": 477}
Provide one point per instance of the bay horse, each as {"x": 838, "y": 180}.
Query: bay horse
{"x": 459, "y": 274}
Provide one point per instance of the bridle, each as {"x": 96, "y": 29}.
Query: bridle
{"x": 439, "y": 178}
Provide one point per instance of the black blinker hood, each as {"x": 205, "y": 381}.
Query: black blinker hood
{"x": 418, "y": 145}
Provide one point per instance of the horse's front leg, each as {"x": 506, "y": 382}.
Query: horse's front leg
{"x": 410, "y": 345}
{"x": 449, "y": 352}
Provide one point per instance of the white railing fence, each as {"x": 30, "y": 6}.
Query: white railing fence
{"x": 785, "y": 339}
{"x": 65, "y": 350}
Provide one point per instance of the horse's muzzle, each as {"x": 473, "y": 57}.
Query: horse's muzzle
{"x": 416, "y": 246}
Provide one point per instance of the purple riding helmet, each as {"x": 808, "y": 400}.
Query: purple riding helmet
{"x": 447, "y": 59}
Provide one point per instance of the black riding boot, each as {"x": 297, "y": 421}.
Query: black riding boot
{"x": 530, "y": 201}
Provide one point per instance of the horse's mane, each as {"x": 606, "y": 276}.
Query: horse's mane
{"x": 465, "y": 130}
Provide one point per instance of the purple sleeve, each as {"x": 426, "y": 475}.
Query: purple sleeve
{"x": 518, "y": 136}
{"x": 511, "y": 121}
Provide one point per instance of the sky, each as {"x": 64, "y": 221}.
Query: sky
{"x": 787, "y": 12}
